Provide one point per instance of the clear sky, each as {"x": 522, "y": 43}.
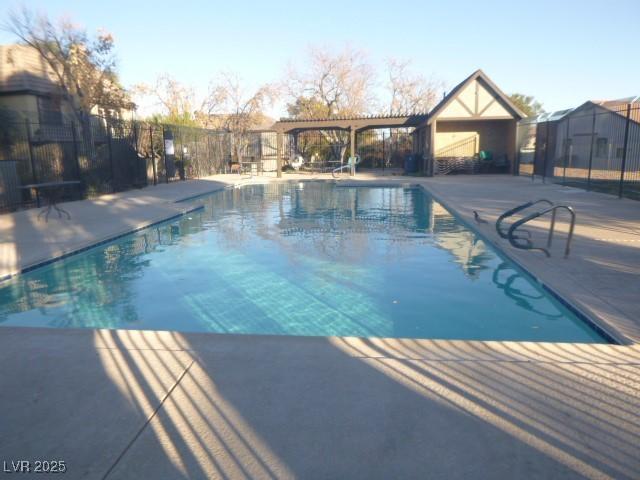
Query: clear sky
{"x": 563, "y": 51}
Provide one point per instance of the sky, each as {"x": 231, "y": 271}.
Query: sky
{"x": 563, "y": 52}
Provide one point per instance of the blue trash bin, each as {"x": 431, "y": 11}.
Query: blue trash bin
{"x": 410, "y": 163}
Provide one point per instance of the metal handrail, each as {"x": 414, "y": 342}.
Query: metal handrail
{"x": 351, "y": 165}
{"x": 513, "y": 239}
{"x": 571, "y": 227}
{"x": 515, "y": 210}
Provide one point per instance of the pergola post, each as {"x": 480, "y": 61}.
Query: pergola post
{"x": 432, "y": 149}
{"x": 279, "y": 154}
{"x": 352, "y": 131}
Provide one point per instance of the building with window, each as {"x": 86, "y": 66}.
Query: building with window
{"x": 474, "y": 116}
{"x": 29, "y": 87}
{"x": 586, "y": 141}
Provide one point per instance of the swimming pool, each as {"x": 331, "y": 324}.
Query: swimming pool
{"x": 308, "y": 258}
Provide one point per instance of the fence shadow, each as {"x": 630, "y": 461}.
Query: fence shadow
{"x": 275, "y": 407}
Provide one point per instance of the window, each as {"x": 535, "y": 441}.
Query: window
{"x": 49, "y": 109}
{"x": 619, "y": 152}
{"x": 602, "y": 147}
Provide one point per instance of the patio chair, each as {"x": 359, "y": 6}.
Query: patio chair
{"x": 485, "y": 161}
{"x": 490, "y": 164}
{"x": 296, "y": 161}
{"x": 501, "y": 163}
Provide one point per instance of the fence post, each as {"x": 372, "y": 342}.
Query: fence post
{"x": 153, "y": 156}
{"x": 384, "y": 159}
{"x": 279, "y": 154}
{"x": 194, "y": 156}
{"x": 536, "y": 151}
{"x": 164, "y": 156}
{"x": 352, "y": 149}
{"x": 567, "y": 153}
{"x": 34, "y": 177}
{"x": 625, "y": 147}
{"x": 593, "y": 134}
{"x": 182, "y": 147}
{"x": 209, "y": 158}
{"x": 135, "y": 148}
{"x": 546, "y": 154}
{"x": 113, "y": 170}
{"x": 74, "y": 138}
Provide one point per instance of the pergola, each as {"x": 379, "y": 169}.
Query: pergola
{"x": 350, "y": 124}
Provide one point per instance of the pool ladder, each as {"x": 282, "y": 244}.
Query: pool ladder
{"x": 515, "y": 237}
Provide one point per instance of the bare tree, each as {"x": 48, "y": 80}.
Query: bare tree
{"x": 410, "y": 93}
{"x": 83, "y": 66}
{"x": 331, "y": 84}
{"x": 232, "y": 105}
{"x": 175, "y": 99}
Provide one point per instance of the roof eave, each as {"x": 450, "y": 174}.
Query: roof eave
{"x": 515, "y": 111}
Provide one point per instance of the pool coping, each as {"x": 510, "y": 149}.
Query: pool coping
{"x": 79, "y": 250}
{"x": 97, "y": 243}
{"x": 601, "y": 326}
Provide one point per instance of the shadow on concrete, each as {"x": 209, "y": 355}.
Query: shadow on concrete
{"x": 284, "y": 407}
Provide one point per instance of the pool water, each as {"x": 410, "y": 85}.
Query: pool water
{"x": 308, "y": 258}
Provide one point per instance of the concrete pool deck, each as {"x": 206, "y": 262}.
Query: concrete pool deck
{"x": 133, "y": 404}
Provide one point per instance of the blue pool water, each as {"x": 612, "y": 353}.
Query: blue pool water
{"x": 307, "y": 258}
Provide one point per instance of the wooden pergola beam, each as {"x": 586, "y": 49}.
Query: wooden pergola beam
{"x": 355, "y": 123}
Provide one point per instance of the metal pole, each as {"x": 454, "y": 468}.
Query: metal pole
{"x": 593, "y": 134}
{"x": 194, "y": 157}
{"x": 75, "y": 150}
{"x": 153, "y": 156}
{"x": 279, "y": 154}
{"x": 208, "y": 156}
{"x": 516, "y": 160}
{"x": 182, "y": 147}
{"x": 546, "y": 155}
{"x": 164, "y": 156}
{"x": 113, "y": 171}
{"x": 624, "y": 151}
{"x": 135, "y": 148}
{"x": 536, "y": 151}
{"x": 34, "y": 177}
{"x": 384, "y": 160}
{"x": 353, "y": 149}
{"x": 567, "y": 153}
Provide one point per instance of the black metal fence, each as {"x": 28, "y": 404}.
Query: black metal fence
{"x": 107, "y": 156}
{"x": 594, "y": 147}
{"x": 110, "y": 156}
{"x": 384, "y": 148}
{"x": 323, "y": 150}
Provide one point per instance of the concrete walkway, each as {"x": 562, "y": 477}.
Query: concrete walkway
{"x": 133, "y": 404}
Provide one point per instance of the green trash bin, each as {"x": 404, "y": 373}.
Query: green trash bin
{"x": 486, "y": 161}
